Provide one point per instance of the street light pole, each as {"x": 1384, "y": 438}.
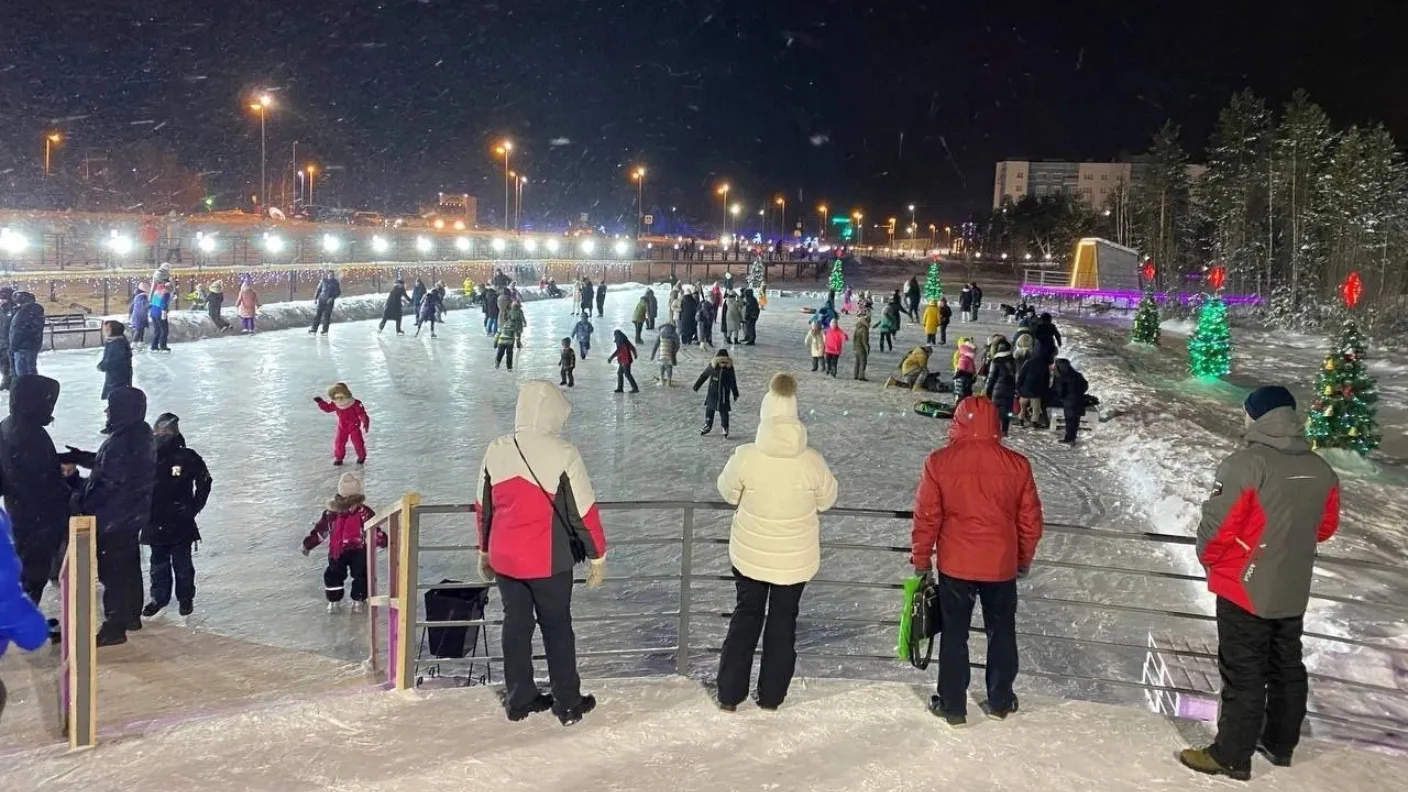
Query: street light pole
{"x": 860, "y": 229}
{"x": 639, "y": 175}
{"x": 309, "y": 198}
{"x": 50, "y": 140}
{"x": 723, "y": 190}
{"x": 518, "y": 201}
{"x": 261, "y": 106}
{"x": 782, "y": 224}
{"x": 822, "y": 233}
{"x": 913, "y": 224}
{"x": 505, "y": 148}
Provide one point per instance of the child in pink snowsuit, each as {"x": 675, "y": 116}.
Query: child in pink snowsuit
{"x": 343, "y": 525}
{"x": 352, "y": 421}
{"x": 834, "y": 343}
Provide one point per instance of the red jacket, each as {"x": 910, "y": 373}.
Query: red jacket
{"x": 977, "y": 502}
{"x": 352, "y": 419}
{"x": 343, "y": 524}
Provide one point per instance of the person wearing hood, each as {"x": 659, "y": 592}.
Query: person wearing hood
{"x": 931, "y": 322}
{"x": 914, "y": 369}
{"x": 778, "y": 486}
{"x": 1046, "y": 338}
{"x": 965, "y": 368}
{"x": 247, "y": 306}
{"x": 624, "y": 355}
{"x": 638, "y": 318}
{"x": 860, "y": 339}
{"x": 491, "y": 310}
{"x": 343, "y": 525}
{"x": 7, "y": 360}
{"x": 752, "y": 310}
{"x": 689, "y": 317}
{"x": 214, "y": 302}
{"x": 537, "y": 518}
{"x": 977, "y": 509}
{"x": 116, "y": 363}
{"x": 1068, "y": 389}
{"x": 21, "y": 622}
{"x": 179, "y": 493}
{"x": 352, "y": 421}
{"x": 706, "y": 323}
{"x": 666, "y": 350}
{"x": 1002, "y": 382}
{"x": 26, "y": 334}
{"x": 835, "y": 343}
{"x": 432, "y": 307}
{"x": 945, "y": 317}
{"x": 119, "y": 495}
{"x": 329, "y": 289}
{"x": 587, "y": 294}
{"x": 912, "y": 292}
{"x": 396, "y": 302}
{"x": 889, "y": 324}
{"x": 733, "y": 318}
{"x": 652, "y": 308}
{"x": 723, "y": 390}
{"x": 1272, "y": 502}
{"x": 1023, "y": 343}
{"x": 36, "y": 496}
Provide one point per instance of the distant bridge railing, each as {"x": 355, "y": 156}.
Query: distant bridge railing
{"x": 399, "y": 602}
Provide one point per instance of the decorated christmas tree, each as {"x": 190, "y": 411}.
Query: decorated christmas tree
{"x": 933, "y": 287}
{"x": 838, "y": 279}
{"x": 757, "y": 273}
{"x": 1210, "y": 347}
{"x": 1146, "y": 318}
{"x": 1345, "y": 397}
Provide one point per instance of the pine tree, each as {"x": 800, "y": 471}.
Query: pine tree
{"x": 933, "y": 287}
{"x": 1161, "y": 203}
{"x": 1345, "y": 398}
{"x": 1232, "y": 193}
{"x": 1210, "y": 346}
{"x": 757, "y": 274}
{"x": 838, "y": 279}
{"x": 1146, "y": 319}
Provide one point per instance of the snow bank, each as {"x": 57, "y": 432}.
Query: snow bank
{"x": 189, "y": 325}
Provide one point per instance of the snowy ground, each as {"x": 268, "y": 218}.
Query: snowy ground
{"x": 246, "y": 405}
{"x": 665, "y": 734}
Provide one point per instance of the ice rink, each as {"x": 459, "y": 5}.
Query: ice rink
{"x": 260, "y": 632}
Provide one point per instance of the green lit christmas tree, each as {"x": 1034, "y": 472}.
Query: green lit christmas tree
{"x": 838, "y": 279}
{"x": 933, "y": 287}
{"x": 1210, "y": 347}
{"x": 1146, "y": 319}
{"x": 1343, "y": 415}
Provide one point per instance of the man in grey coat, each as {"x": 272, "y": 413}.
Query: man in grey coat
{"x": 1271, "y": 503}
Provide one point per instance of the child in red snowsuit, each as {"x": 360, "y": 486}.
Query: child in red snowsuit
{"x": 352, "y": 421}
{"x": 344, "y": 525}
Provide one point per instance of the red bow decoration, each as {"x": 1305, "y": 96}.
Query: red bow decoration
{"x": 1148, "y": 270}
{"x": 1352, "y": 289}
{"x": 1217, "y": 276}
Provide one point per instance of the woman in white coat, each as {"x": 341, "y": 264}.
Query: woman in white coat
{"x": 779, "y": 486}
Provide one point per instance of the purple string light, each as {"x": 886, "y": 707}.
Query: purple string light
{"x": 1132, "y": 295}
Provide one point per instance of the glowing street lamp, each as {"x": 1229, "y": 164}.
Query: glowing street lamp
{"x": 620, "y": 248}
{"x": 504, "y": 149}
{"x": 860, "y": 229}
{"x": 498, "y": 245}
{"x": 588, "y": 247}
{"x": 723, "y": 190}
{"x": 638, "y": 175}
{"x": 261, "y": 106}
{"x": 331, "y": 244}
{"x": 424, "y": 245}
{"x": 822, "y": 210}
{"x": 552, "y": 245}
{"x": 462, "y": 244}
{"x": 912, "y": 222}
{"x": 50, "y": 140}
{"x": 119, "y": 243}
{"x": 12, "y": 242}
{"x": 380, "y": 245}
{"x": 311, "y": 170}
{"x": 530, "y": 245}
{"x": 782, "y": 202}
{"x": 273, "y": 244}
{"x": 205, "y": 242}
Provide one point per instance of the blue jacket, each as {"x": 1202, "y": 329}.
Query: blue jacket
{"x": 140, "y": 305}
{"x": 20, "y": 621}
{"x": 116, "y": 364}
{"x": 582, "y": 331}
{"x": 328, "y": 289}
{"x": 159, "y": 302}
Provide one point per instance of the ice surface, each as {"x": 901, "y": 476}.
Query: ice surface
{"x": 246, "y": 405}
{"x": 665, "y": 734}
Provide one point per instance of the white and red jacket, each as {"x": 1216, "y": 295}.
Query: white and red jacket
{"x": 524, "y": 526}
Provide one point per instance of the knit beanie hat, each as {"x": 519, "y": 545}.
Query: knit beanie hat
{"x": 780, "y": 402}
{"x": 348, "y": 485}
{"x": 1267, "y": 398}
{"x": 340, "y": 389}
{"x": 167, "y": 421}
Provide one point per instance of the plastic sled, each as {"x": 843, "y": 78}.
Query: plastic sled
{"x": 934, "y": 409}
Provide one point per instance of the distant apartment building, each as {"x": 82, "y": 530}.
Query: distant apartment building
{"x": 1091, "y": 182}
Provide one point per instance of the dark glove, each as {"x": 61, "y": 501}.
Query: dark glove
{"x": 76, "y": 456}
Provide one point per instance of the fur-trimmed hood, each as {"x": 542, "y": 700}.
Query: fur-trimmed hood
{"x": 342, "y": 504}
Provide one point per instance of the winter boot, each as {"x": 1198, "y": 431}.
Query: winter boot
{"x": 187, "y": 607}
{"x": 152, "y": 609}
{"x": 575, "y": 715}
{"x": 936, "y": 708}
{"x": 337, "y": 462}
{"x": 110, "y": 637}
{"x": 1202, "y": 760}
{"x": 542, "y": 703}
{"x": 1000, "y": 714}
{"x": 1279, "y": 760}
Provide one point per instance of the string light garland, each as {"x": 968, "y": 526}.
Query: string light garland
{"x": 1344, "y": 414}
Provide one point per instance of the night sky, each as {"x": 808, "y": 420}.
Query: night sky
{"x": 870, "y": 105}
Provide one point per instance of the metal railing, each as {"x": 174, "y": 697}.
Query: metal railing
{"x": 403, "y": 523}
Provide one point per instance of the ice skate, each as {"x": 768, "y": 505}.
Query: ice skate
{"x": 337, "y": 462}
{"x": 359, "y": 607}
{"x": 334, "y": 607}
{"x": 361, "y": 460}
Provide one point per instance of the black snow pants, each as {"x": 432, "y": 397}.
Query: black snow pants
{"x": 999, "y": 602}
{"x": 120, "y": 571}
{"x": 1264, "y": 687}
{"x": 168, "y": 562}
{"x": 766, "y": 610}
{"x": 353, "y": 562}
{"x": 547, "y": 604}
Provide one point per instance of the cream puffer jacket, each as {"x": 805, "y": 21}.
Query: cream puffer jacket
{"x": 779, "y": 486}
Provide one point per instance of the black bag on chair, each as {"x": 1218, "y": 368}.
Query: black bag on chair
{"x": 454, "y": 604}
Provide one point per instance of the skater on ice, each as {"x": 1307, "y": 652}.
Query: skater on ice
{"x": 329, "y": 289}
{"x": 343, "y": 525}
{"x": 160, "y": 312}
{"x": 965, "y": 369}
{"x": 214, "y": 303}
{"x": 601, "y": 298}
{"x": 666, "y": 351}
{"x": 945, "y": 318}
{"x": 638, "y": 318}
{"x": 931, "y": 322}
{"x": 1001, "y": 384}
{"x": 582, "y": 334}
{"x": 624, "y": 356}
{"x": 860, "y": 339}
{"x": 537, "y": 519}
{"x": 179, "y": 494}
{"x": 778, "y": 486}
{"x": 816, "y": 345}
{"x": 352, "y": 422}
{"x": 652, "y": 309}
{"x": 395, "y": 308}
{"x": 752, "y": 310}
{"x": 1283, "y": 497}
{"x": 431, "y": 307}
{"x": 889, "y": 324}
{"x": 567, "y": 364}
{"x": 722, "y": 392}
{"x": 835, "y": 344}
{"x": 705, "y": 323}
{"x": 977, "y": 510}
{"x": 137, "y": 317}
{"x": 116, "y": 363}
{"x": 26, "y": 334}
{"x": 247, "y": 306}
{"x": 733, "y": 318}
